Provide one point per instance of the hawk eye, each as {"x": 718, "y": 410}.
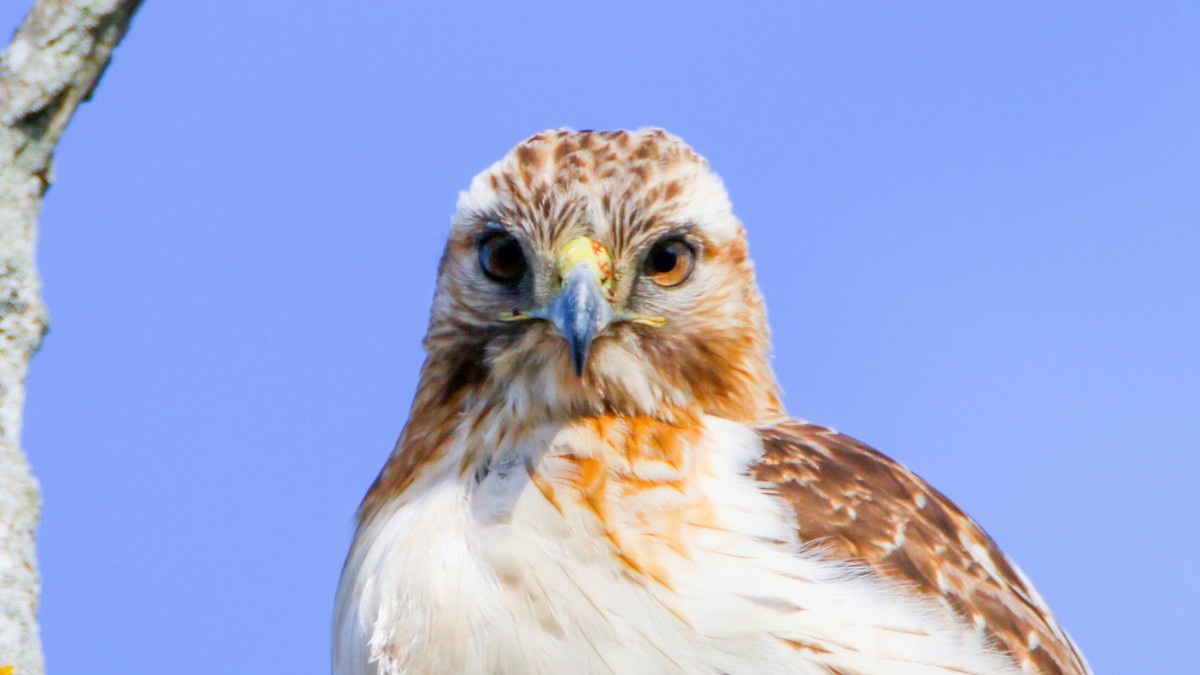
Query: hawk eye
{"x": 501, "y": 258}
{"x": 670, "y": 262}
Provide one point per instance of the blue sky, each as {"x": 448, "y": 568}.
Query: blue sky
{"x": 977, "y": 229}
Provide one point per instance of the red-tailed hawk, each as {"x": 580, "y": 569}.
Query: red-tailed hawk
{"x": 598, "y": 475}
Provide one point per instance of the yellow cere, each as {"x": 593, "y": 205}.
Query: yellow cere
{"x": 584, "y": 251}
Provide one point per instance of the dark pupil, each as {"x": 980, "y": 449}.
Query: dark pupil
{"x": 665, "y": 259}
{"x": 507, "y": 257}
{"x": 504, "y": 259}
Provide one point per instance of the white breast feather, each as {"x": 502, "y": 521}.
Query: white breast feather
{"x": 491, "y": 578}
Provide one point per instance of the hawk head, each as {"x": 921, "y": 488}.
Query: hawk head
{"x": 593, "y": 272}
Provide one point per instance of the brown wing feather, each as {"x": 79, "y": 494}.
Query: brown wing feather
{"x": 860, "y": 505}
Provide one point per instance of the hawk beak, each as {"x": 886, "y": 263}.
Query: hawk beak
{"x": 582, "y": 309}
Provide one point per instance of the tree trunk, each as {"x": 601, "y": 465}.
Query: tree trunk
{"x": 54, "y": 62}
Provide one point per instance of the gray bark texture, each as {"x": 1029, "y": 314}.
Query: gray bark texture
{"x": 54, "y": 62}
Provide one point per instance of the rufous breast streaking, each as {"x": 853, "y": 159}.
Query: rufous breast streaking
{"x": 598, "y": 475}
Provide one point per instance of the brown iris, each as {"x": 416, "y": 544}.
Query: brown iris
{"x": 501, "y": 258}
{"x": 670, "y": 262}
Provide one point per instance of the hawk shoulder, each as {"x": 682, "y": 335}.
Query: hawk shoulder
{"x": 857, "y": 504}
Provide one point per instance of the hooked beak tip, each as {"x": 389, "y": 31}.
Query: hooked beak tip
{"x": 580, "y": 313}
{"x": 579, "y": 354}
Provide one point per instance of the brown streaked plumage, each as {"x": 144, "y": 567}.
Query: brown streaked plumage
{"x": 857, "y": 504}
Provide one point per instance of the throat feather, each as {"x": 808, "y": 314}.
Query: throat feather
{"x": 633, "y": 480}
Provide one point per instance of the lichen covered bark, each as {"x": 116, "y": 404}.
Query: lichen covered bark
{"x": 53, "y": 63}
